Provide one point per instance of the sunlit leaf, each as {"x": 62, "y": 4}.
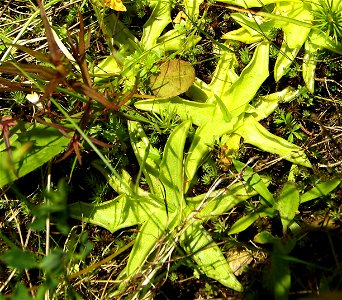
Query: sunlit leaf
{"x": 121, "y": 212}
{"x": 172, "y": 168}
{"x": 192, "y": 9}
{"x": 222, "y": 200}
{"x": 309, "y": 65}
{"x": 320, "y": 39}
{"x": 246, "y": 221}
{"x": 208, "y": 256}
{"x": 205, "y": 137}
{"x": 107, "y": 68}
{"x": 321, "y": 189}
{"x": 224, "y": 75}
{"x": 246, "y": 86}
{"x": 254, "y": 133}
{"x": 33, "y": 147}
{"x": 287, "y": 204}
{"x": 242, "y": 35}
{"x": 248, "y": 3}
{"x": 267, "y": 104}
{"x": 156, "y": 23}
{"x": 148, "y": 157}
{"x": 265, "y": 237}
{"x": 183, "y": 108}
{"x": 294, "y": 35}
{"x": 149, "y": 234}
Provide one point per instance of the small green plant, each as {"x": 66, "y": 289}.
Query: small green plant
{"x": 191, "y": 54}
{"x": 220, "y": 225}
{"x": 304, "y": 97}
{"x": 328, "y": 18}
{"x": 290, "y": 125}
{"x": 173, "y": 277}
{"x": 163, "y": 123}
{"x": 245, "y": 55}
{"x": 274, "y": 51}
{"x": 97, "y": 187}
{"x": 293, "y": 71}
{"x": 19, "y": 97}
{"x": 210, "y": 171}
